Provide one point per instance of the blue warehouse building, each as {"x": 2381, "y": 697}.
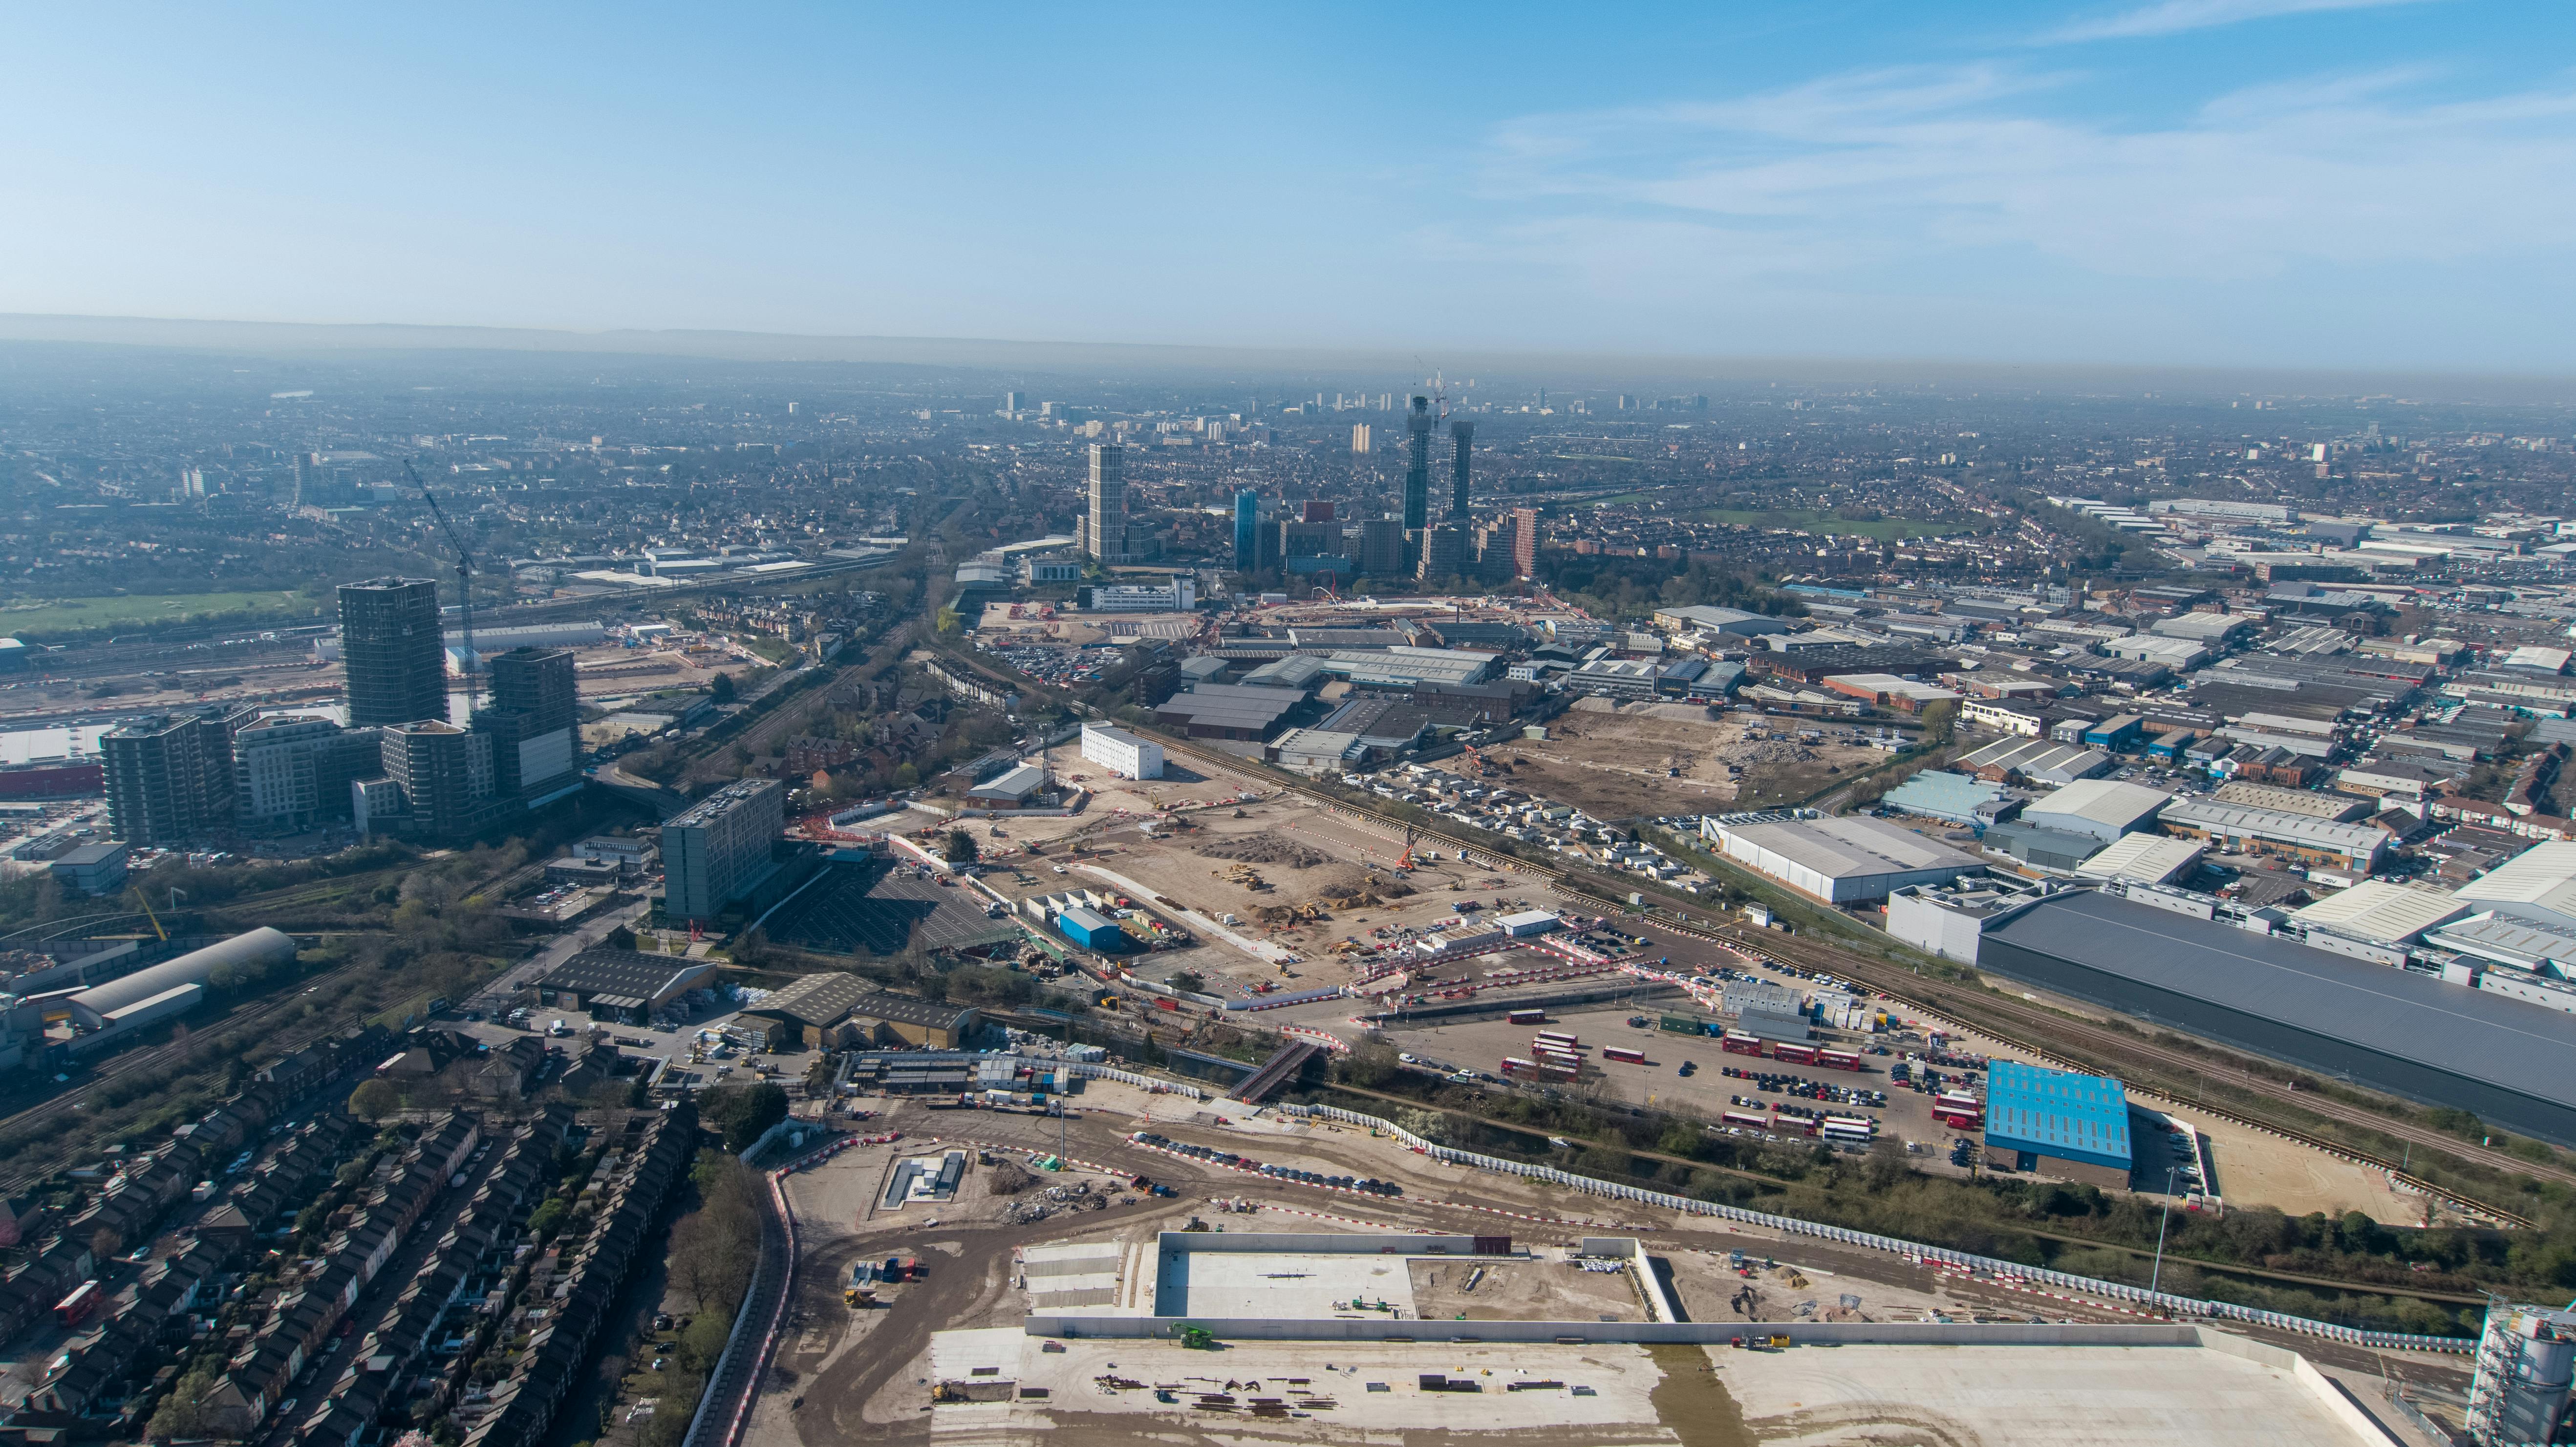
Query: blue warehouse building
{"x": 1092, "y": 930}
{"x": 2058, "y": 1124}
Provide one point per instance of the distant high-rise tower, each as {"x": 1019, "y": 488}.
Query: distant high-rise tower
{"x": 1010, "y": 404}
{"x": 534, "y": 712}
{"x": 1462, "y": 448}
{"x": 1107, "y": 522}
{"x": 1317, "y": 510}
{"x": 1360, "y": 438}
{"x": 391, "y": 649}
{"x": 1525, "y": 541}
{"x": 1247, "y": 530}
{"x": 1417, "y": 466}
{"x": 1381, "y": 548}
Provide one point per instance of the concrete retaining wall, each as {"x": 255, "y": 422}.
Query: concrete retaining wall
{"x": 1331, "y": 1243}
{"x": 2014, "y": 1271}
{"x": 1700, "y": 1333}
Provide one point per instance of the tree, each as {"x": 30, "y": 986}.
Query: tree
{"x": 960, "y": 848}
{"x": 744, "y": 1112}
{"x": 374, "y": 1100}
{"x": 1940, "y": 720}
{"x": 620, "y": 938}
{"x": 183, "y": 1412}
{"x": 722, "y": 689}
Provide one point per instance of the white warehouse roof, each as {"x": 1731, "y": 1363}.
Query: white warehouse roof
{"x": 2106, "y": 803}
{"x": 2537, "y": 884}
{"x": 1837, "y": 859}
{"x": 2383, "y": 911}
{"x": 2146, "y": 858}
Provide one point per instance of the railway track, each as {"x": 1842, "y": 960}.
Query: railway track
{"x": 2118, "y": 1045}
{"x": 2023, "y": 1026}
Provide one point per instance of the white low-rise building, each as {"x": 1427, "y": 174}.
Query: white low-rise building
{"x": 1121, "y": 752}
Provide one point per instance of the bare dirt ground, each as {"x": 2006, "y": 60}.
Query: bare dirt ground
{"x": 1294, "y": 875}
{"x": 867, "y": 1374}
{"x": 1535, "y": 1290}
{"x": 1614, "y": 761}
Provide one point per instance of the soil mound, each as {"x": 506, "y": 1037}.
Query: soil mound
{"x": 1264, "y": 849}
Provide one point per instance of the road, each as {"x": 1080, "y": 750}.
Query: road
{"x": 2003, "y": 1018}
{"x": 495, "y": 997}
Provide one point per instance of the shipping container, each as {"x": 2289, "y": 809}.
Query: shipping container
{"x": 1683, "y": 1025}
{"x": 1526, "y": 1017}
{"x": 1794, "y": 1054}
{"x": 1739, "y": 1043}
{"x": 1838, "y": 1059}
{"x": 1623, "y": 1055}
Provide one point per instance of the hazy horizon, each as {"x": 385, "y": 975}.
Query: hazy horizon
{"x": 2336, "y": 185}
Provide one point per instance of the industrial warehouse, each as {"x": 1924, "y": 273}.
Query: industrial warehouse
{"x": 2412, "y": 1035}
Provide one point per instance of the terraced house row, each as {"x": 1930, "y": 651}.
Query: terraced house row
{"x": 416, "y": 1355}
{"x": 626, "y": 1191}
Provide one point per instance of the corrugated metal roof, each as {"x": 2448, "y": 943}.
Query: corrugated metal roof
{"x": 2056, "y": 1112}
{"x": 2544, "y": 874}
{"x": 2101, "y": 801}
{"x": 2358, "y": 840}
{"x": 2147, "y": 858}
{"x": 2470, "y": 1033}
{"x": 2382, "y": 910}
{"x": 1853, "y": 846}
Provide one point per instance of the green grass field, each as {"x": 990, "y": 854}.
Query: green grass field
{"x": 1885, "y": 529}
{"x": 45, "y": 617}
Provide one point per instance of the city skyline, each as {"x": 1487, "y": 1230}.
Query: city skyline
{"x": 2270, "y": 183}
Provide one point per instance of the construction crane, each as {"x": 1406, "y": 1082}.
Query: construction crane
{"x": 148, "y": 914}
{"x": 464, "y": 580}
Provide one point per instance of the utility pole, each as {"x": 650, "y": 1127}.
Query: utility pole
{"x": 2158, "y": 1274}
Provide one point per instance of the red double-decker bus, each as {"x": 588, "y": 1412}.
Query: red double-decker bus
{"x": 1794, "y": 1054}
{"x": 1838, "y": 1059}
{"x": 1623, "y": 1055}
{"x": 1739, "y": 1043}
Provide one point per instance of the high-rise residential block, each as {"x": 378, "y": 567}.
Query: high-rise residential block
{"x": 1105, "y": 523}
{"x": 294, "y": 773}
{"x": 719, "y": 849}
{"x": 533, "y": 722}
{"x": 1382, "y": 548}
{"x": 1247, "y": 530}
{"x": 1417, "y": 466}
{"x": 1360, "y": 438}
{"x": 442, "y": 783}
{"x": 1462, "y": 449}
{"x": 390, "y": 645}
{"x": 169, "y": 779}
{"x": 1525, "y": 542}
{"x": 1444, "y": 552}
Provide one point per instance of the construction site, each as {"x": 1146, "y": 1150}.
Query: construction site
{"x": 1627, "y": 760}
{"x": 1102, "y": 1275}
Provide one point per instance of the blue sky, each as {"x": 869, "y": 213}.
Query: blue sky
{"x": 2235, "y": 182}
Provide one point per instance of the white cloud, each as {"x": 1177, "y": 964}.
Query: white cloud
{"x": 2172, "y": 17}
{"x": 1867, "y": 173}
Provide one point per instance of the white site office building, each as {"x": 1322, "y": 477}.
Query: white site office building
{"x": 1121, "y": 752}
